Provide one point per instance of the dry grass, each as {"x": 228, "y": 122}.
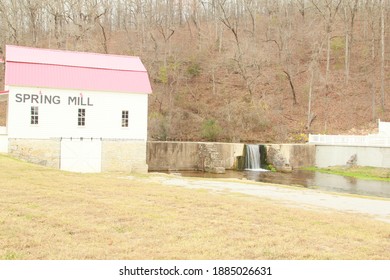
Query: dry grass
{"x": 49, "y": 214}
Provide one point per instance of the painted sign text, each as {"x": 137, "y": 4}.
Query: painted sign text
{"x": 51, "y": 99}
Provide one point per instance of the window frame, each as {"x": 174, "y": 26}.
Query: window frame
{"x": 81, "y": 116}
{"x": 34, "y": 115}
{"x": 125, "y": 119}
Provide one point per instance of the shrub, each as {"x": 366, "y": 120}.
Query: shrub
{"x": 210, "y": 130}
{"x": 158, "y": 127}
{"x": 194, "y": 69}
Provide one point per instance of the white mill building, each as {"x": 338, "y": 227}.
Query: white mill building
{"x": 75, "y": 111}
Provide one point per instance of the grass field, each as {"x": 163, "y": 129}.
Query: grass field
{"x": 50, "y": 214}
{"x": 360, "y": 172}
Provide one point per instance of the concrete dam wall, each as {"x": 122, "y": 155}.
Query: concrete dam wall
{"x": 191, "y": 155}
{"x": 162, "y": 156}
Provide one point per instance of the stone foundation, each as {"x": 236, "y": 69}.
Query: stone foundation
{"x": 117, "y": 155}
{"x": 124, "y": 155}
{"x": 39, "y": 151}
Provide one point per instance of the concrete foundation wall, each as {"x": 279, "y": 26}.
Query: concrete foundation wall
{"x": 39, "y": 151}
{"x": 123, "y": 155}
{"x": 303, "y": 155}
{"x": 172, "y": 155}
{"x": 328, "y": 155}
{"x": 229, "y": 152}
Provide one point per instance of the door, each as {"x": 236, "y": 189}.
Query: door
{"x": 81, "y": 155}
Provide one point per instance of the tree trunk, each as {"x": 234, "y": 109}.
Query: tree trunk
{"x": 346, "y": 59}
{"x": 292, "y": 88}
{"x": 327, "y": 59}
{"x": 309, "y": 113}
{"x": 382, "y": 56}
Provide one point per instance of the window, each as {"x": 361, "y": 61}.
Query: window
{"x": 81, "y": 117}
{"x": 34, "y": 115}
{"x": 125, "y": 118}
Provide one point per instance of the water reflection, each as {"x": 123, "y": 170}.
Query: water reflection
{"x": 306, "y": 179}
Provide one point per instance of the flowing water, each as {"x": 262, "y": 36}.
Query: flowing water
{"x": 253, "y": 158}
{"x": 306, "y": 179}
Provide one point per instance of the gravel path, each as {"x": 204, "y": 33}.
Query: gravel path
{"x": 292, "y": 197}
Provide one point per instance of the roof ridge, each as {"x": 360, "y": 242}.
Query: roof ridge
{"x": 87, "y": 67}
{"x": 73, "y": 51}
{"x": 73, "y": 58}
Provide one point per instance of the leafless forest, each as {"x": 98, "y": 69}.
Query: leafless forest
{"x": 231, "y": 70}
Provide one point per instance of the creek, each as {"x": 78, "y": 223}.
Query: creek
{"x": 306, "y": 179}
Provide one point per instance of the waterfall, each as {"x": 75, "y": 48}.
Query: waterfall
{"x": 252, "y": 158}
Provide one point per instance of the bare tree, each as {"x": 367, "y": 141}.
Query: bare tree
{"x": 282, "y": 37}
{"x": 372, "y": 12}
{"x": 313, "y": 69}
{"x": 382, "y": 9}
{"x": 350, "y": 9}
{"x": 11, "y": 13}
{"x": 328, "y": 10}
{"x": 231, "y": 21}
{"x": 302, "y": 7}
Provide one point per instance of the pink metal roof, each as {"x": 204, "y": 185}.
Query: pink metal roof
{"x": 75, "y": 70}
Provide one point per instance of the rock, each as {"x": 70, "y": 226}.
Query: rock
{"x": 352, "y": 161}
{"x": 209, "y": 159}
{"x": 216, "y": 170}
{"x": 286, "y": 168}
{"x": 278, "y": 160}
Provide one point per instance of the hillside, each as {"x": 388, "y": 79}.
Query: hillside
{"x": 236, "y": 71}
